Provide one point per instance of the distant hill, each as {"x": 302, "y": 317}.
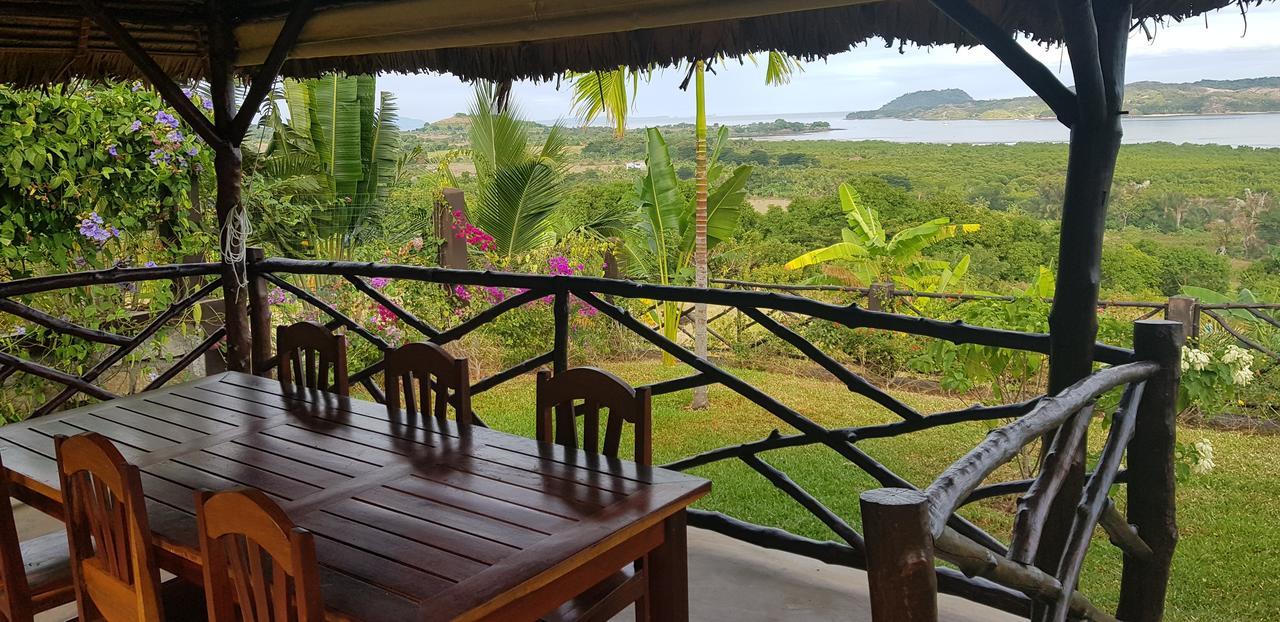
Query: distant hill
{"x": 1141, "y": 98}
{"x": 916, "y": 102}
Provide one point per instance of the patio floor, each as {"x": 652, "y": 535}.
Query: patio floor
{"x": 728, "y": 580}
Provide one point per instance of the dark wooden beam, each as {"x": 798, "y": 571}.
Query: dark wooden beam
{"x": 1032, "y": 72}
{"x": 1152, "y": 485}
{"x": 58, "y": 325}
{"x": 1091, "y": 162}
{"x": 167, "y": 88}
{"x": 299, "y": 13}
{"x": 228, "y": 174}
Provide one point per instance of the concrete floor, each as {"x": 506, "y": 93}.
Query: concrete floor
{"x": 728, "y": 580}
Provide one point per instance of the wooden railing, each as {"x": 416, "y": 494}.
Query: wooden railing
{"x": 991, "y": 572}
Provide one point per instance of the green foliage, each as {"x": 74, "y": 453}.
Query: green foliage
{"x": 67, "y": 152}
{"x": 329, "y": 167}
{"x": 871, "y": 255}
{"x": 519, "y": 187}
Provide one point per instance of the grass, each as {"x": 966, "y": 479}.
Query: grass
{"x": 1226, "y": 567}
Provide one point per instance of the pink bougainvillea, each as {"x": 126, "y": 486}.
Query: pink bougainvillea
{"x": 474, "y": 236}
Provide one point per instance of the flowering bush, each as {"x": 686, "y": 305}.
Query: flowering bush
{"x": 94, "y": 177}
{"x": 1212, "y": 377}
{"x": 1193, "y": 459}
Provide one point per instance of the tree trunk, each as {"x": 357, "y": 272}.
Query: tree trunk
{"x": 700, "y": 227}
{"x": 1097, "y": 40}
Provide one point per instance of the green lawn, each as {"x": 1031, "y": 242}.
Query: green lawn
{"x": 1227, "y": 567}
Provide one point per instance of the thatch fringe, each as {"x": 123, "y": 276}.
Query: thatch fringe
{"x": 42, "y": 42}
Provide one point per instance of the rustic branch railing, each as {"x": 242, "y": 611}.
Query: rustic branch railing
{"x": 989, "y": 572}
{"x": 84, "y": 383}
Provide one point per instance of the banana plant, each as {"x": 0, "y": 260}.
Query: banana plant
{"x": 661, "y": 245}
{"x": 519, "y": 187}
{"x": 342, "y": 133}
{"x": 868, "y": 254}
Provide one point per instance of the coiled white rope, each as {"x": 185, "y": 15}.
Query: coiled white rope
{"x": 235, "y": 236}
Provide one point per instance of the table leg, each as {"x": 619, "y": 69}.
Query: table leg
{"x": 668, "y": 573}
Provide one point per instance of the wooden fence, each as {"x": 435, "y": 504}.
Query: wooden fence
{"x": 1186, "y": 310}
{"x": 904, "y": 528}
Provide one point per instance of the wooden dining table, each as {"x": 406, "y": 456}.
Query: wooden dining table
{"x": 414, "y": 518}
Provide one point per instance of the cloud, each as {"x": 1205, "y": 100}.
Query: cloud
{"x": 871, "y": 74}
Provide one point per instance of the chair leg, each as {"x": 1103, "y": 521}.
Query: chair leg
{"x": 642, "y": 605}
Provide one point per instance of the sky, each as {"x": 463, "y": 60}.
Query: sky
{"x": 868, "y": 76}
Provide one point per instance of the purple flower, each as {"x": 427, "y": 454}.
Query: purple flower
{"x": 135, "y": 126}
{"x": 135, "y": 87}
{"x": 277, "y": 296}
{"x": 112, "y": 150}
{"x": 165, "y": 118}
{"x": 186, "y": 91}
{"x": 379, "y": 282}
{"x": 560, "y": 266}
{"x": 462, "y": 293}
{"x": 21, "y": 330}
{"x": 149, "y": 264}
{"x": 207, "y": 103}
{"x": 157, "y": 156}
{"x": 495, "y": 294}
{"x": 174, "y": 136}
{"x": 193, "y": 151}
{"x": 92, "y": 228}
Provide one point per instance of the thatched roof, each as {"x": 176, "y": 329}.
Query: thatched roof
{"x": 52, "y": 40}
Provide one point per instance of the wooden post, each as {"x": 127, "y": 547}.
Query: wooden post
{"x": 880, "y": 297}
{"x": 1152, "y": 483}
{"x": 211, "y": 313}
{"x": 453, "y": 249}
{"x": 1186, "y": 311}
{"x": 900, "y": 570}
{"x": 560, "y": 313}
{"x": 259, "y": 314}
{"x": 1096, "y": 39}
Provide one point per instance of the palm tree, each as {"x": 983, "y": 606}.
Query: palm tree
{"x": 606, "y": 93}
{"x": 870, "y": 255}
{"x": 518, "y": 186}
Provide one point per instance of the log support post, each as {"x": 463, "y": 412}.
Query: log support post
{"x": 560, "y": 315}
{"x": 1152, "y": 484}
{"x": 223, "y": 135}
{"x": 1185, "y": 310}
{"x": 259, "y": 314}
{"x": 880, "y": 297}
{"x": 899, "y": 549}
{"x": 1096, "y": 39}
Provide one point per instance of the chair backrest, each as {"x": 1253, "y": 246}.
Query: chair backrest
{"x": 425, "y": 369}
{"x": 258, "y": 565}
{"x": 15, "y": 602}
{"x": 109, "y": 538}
{"x": 309, "y": 355}
{"x": 597, "y": 390}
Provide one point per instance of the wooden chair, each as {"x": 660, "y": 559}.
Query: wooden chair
{"x": 309, "y": 355}
{"x": 596, "y": 389}
{"x": 258, "y": 566}
{"x": 436, "y": 371}
{"x": 36, "y": 574}
{"x": 113, "y": 566}
{"x": 558, "y": 407}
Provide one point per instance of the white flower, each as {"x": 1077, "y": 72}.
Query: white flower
{"x": 1196, "y": 359}
{"x": 1242, "y": 376}
{"x": 1236, "y": 354}
{"x": 1204, "y": 457}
